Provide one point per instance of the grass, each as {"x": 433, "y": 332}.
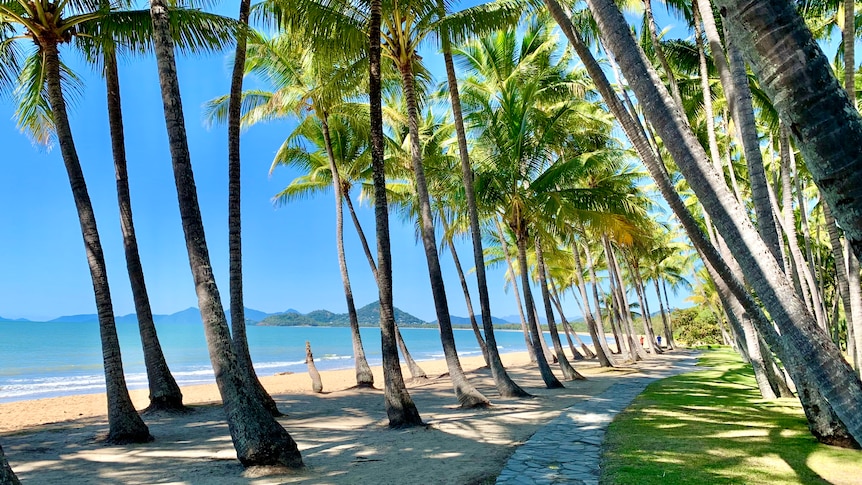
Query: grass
{"x": 712, "y": 427}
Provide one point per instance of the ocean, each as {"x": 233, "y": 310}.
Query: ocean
{"x": 39, "y": 360}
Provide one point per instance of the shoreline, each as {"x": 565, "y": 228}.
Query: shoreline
{"x": 27, "y": 414}
{"x": 93, "y": 380}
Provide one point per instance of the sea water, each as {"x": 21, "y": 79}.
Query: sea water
{"x": 39, "y": 360}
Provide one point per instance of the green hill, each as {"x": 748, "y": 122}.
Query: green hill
{"x": 369, "y": 315}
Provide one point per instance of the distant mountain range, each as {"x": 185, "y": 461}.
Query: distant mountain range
{"x": 369, "y": 315}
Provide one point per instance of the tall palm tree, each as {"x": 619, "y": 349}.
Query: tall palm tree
{"x": 49, "y": 25}
{"x": 257, "y": 436}
{"x": 312, "y": 90}
{"x": 808, "y": 98}
{"x": 517, "y": 104}
{"x": 399, "y": 406}
{"x": 505, "y": 386}
{"x": 234, "y": 217}
{"x": 830, "y": 373}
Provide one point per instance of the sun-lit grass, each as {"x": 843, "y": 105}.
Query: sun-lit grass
{"x": 711, "y": 427}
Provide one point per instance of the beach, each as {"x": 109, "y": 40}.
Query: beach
{"x": 342, "y": 433}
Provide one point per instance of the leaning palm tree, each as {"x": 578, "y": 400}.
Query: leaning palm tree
{"x": 314, "y": 91}
{"x": 257, "y": 436}
{"x": 808, "y": 98}
{"x": 827, "y": 370}
{"x": 517, "y": 105}
{"x": 49, "y": 25}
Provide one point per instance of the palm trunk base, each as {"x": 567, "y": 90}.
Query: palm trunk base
{"x": 128, "y": 431}
{"x": 170, "y": 404}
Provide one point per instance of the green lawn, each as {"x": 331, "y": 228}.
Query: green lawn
{"x": 711, "y": 426}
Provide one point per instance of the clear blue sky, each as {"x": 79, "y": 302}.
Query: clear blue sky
{"x": 289, "y": 252}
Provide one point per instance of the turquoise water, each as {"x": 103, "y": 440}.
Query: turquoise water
{"x": 40, "y": 360}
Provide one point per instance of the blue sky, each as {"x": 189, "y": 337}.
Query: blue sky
{"x": 289, "y": 252}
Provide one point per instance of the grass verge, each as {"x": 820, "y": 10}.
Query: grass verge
{"x": 712, "y": 427}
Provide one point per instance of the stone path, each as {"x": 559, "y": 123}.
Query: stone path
{"x": 568, "y": 449}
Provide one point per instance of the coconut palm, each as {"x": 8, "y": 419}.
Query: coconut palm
{"x": 257, "y": 436}
{"x": 830, "y": 373}
{"x": 193, "y": 31}
{"x": 49, "y": 25}
{"x": 237, "y": 304}
{"x": 809, "y": 99}
{"x": 504, "y": 383}
{"x": 304, "y": 86}
{"x": 517, "y": 100}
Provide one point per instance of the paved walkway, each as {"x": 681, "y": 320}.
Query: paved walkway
{"x": 568, "y": 449}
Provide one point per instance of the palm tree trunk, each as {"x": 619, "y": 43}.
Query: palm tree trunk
{"x": 788, "y": 169}
{"x": 505, "y": 246}
{"x": 835, "y": 379}
{"x": 796, "y": 75}
{"x": 257, "y": 436}
{"x": 475, "y": 326}
{"x": 597, "y": 333}
{"x": 165, "y": 394}
{"x": 555, "y": 297}
{"x": 744, "y": 117}
{"x": 642, "y": 300}
{"x": 467, "y": 395}
{"x": 548, "y": 377}
{"x": 7, "y": 476}
{"x": 361, "y": 234}
{"x": 659, "y": 52}
{"x": 364, "y": 377}
{"x": 125, "y": 425}
{"x": 505, "y": 385}
{"x": 625, "y": 313}
{"x": 237, "y": 305}
{"x": 416, "y": 372}
{"x": 400, "y": 408}
{"x": 569, "y": 372}
{"x": 602, "y": 341}
{"x": 316, "y": 382}
{"x": 708, "y": 112}
{"x": 845, "y": 291}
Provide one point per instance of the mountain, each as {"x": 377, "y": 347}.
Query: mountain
{"x": 369, "y": 315}
{"x": 92, "y": 317}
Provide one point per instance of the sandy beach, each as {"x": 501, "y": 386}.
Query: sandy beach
{"x": 342, "y": 433}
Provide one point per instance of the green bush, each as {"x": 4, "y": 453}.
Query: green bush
{"x": 696, "y": 326}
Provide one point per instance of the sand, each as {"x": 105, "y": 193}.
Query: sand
{"x": 342, "y": 433}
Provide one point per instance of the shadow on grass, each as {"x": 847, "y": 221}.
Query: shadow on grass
{"x": 711, "y": 426}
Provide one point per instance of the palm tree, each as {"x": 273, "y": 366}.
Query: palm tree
{"x": 306, "y": 85}
{"x": 48, "y": 25}
{"x": 808, "y": 98}
{"x": 257, "y": 436}
{"x": 399, "y": 406}
{"x": 7, "y": 476}
{"x": 505, "y": 386}
{"x": 237, "y": 304}
{"x": 516, "y": 104}
{"x": 193, "y": 31}
{"x": 829, "y": 372}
